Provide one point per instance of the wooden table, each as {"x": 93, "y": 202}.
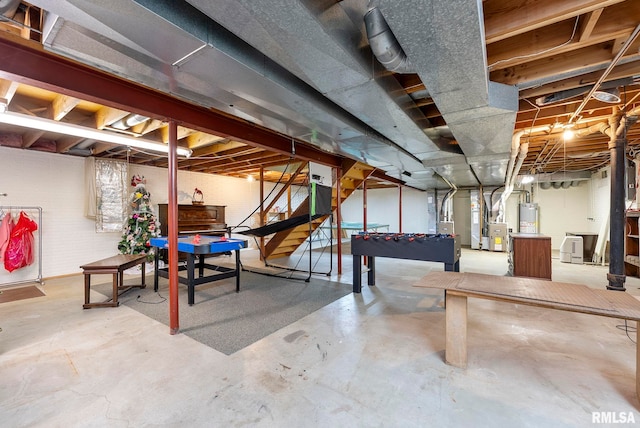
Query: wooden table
{"x": 115, "y": 266}
{"x": 526, "y": 291}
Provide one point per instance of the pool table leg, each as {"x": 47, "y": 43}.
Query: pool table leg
{"x": 237, "y": 271}
{"x": 190, "y": 278}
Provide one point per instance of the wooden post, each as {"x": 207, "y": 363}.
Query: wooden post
{"x": 455, "y": 352}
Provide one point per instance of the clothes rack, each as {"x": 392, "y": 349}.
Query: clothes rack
{"x": 26, "y": 209}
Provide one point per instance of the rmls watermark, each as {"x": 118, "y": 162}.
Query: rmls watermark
{"x": 613, "y": 418}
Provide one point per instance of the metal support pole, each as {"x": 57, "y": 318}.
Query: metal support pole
{"x": 339, "y": 216}
{"x": 311, "y": 197}
{"x": 172, "y": 228}
{"x": 399, "y": 208}
{"x": 262, "y": 211}
{"x": 617, "y": 142}
{"x": 364, "y": 205}
{"x": 364, "y": 210}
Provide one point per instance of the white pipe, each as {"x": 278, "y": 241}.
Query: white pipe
{"x": 512, "y": 173}
{"x": 447, "y": 199}
{"x": 515, "y": 147}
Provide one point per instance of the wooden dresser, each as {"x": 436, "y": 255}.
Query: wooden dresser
{"x": 530, "y": 255}
{"x": 203, "y": 219}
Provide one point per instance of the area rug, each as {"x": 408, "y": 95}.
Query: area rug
{"x": 228, "y": 321}
{"x": 20, "y": 293}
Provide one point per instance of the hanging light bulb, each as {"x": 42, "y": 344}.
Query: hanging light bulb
{"x": 527, "y": 179}
{"x": 568, "y": 134}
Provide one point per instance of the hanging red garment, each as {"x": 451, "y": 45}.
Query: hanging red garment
{"x": 6, "y": 226}
{"x": 19, "y": 251}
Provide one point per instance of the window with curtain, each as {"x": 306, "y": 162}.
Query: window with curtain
{"x": 111, "y": 179}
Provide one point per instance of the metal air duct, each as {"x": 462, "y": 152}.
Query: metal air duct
{"x": 129, "y": 121}
{"x": 9, "y": 8}
{"x": 384, "y": 44}
{"x": 445, "y": 42}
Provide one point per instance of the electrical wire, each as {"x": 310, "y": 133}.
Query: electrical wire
{"x": 533, "y": 122}
{"x": 575, "y": 27}
{"x": 627, "y": 328}
{"x": 163, "y": 299}
{"x": 265, "y": 198}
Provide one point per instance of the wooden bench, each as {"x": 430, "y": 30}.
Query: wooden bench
{"x": 115, "y": 266}
{"x": 526, "y": 291}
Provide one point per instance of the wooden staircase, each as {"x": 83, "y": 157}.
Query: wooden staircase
{"x": 284, "y": 243}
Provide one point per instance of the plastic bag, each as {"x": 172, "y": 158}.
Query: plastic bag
{"x": 6, "y": 226}
{"x": 19, "y": 251}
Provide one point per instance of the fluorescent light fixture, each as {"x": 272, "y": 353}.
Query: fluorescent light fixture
{"x": 4, "y": 104}
{"x": 34, "y": 122}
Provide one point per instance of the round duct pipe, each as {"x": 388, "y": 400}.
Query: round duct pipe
{"x": 546, "y": 185}
{"x": 129, "y": 121}
{"x": 384, "y": 44}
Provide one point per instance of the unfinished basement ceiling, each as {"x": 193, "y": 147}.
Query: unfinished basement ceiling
{"x": 472, "y": 75}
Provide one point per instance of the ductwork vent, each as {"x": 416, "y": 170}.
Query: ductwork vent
{"x": 384, "y": 44}
{"x": 9, "y": 8}
{"x": 545, "y": 185}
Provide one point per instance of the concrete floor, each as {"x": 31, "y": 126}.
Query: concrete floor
{"x": 368, "y": 360}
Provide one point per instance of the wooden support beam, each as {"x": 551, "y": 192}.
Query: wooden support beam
{"x": 588, "y": 23}
{"x": 61, "y": 106}
{"x": 509, "y": 18}
{"x": 455, "y": 329}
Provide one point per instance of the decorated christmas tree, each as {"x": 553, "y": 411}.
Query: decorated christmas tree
{"x": 142, "y": 224}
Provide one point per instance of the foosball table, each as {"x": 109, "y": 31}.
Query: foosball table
{"x": 439, "y": 247}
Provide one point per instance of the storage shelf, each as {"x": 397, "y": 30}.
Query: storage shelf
{"x": 632, "y": 244}
{"x": 632, "y": 260}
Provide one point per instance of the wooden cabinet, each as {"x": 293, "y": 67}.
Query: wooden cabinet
{"x": 631, "y": 237}
{"x": 530, "y": 255}
{"x": 204, "y": 219}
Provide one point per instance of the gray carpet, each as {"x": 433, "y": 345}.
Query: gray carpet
{"x": 228, "y": 321}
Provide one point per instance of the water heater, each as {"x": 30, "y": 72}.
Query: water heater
{"x": 528, "y": 218}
